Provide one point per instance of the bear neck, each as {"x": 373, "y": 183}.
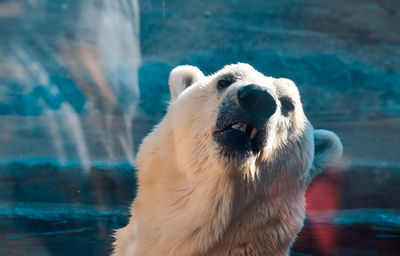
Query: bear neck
{"x": 211, "y": 212}
{"x": 265, "y": 216}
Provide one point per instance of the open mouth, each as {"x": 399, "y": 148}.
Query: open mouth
{"x": 249, "y": 130}
{"x": 238, "y": 138}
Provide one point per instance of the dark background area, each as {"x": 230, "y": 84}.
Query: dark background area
{"x": 81, "y": 83}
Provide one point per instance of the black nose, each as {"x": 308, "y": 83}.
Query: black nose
{"x": 257, "y": 101}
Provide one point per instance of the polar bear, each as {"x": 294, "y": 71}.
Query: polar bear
{"x": 225, "y": 171}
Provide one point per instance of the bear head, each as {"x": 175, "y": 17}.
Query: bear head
{"x": 250, "y": 124}
{"x": 227, "y": 167}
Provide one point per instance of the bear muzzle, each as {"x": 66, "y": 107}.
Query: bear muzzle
{"x": 241, "y": 123}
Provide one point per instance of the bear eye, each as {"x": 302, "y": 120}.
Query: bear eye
{"x": 287, "y": 105}
{"x": 225, "y": 82}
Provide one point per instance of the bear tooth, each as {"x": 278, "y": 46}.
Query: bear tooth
{"x": 253, "y": 133}
{"x": 243, "y": 127}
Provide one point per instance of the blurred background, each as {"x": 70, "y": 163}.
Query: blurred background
{"x": 82, "y": 82}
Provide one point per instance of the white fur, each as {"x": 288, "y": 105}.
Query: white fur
{"x": 192, "y": 201}
{"x": 181, "y": 77}
{"x": 334, "y": 148}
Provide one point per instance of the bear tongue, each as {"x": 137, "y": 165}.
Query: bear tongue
{"x": 239, "y": 126}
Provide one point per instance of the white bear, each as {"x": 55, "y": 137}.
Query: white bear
{"x": 225, "y": 171}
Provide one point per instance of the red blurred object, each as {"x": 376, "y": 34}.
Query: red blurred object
{"x": 324, "y": 194}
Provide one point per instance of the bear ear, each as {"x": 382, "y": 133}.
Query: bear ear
{"x": 327, "y": 150}
{"x": 181, "y": 78}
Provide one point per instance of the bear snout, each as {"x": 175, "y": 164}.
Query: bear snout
{"x": 256, "y": 101}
